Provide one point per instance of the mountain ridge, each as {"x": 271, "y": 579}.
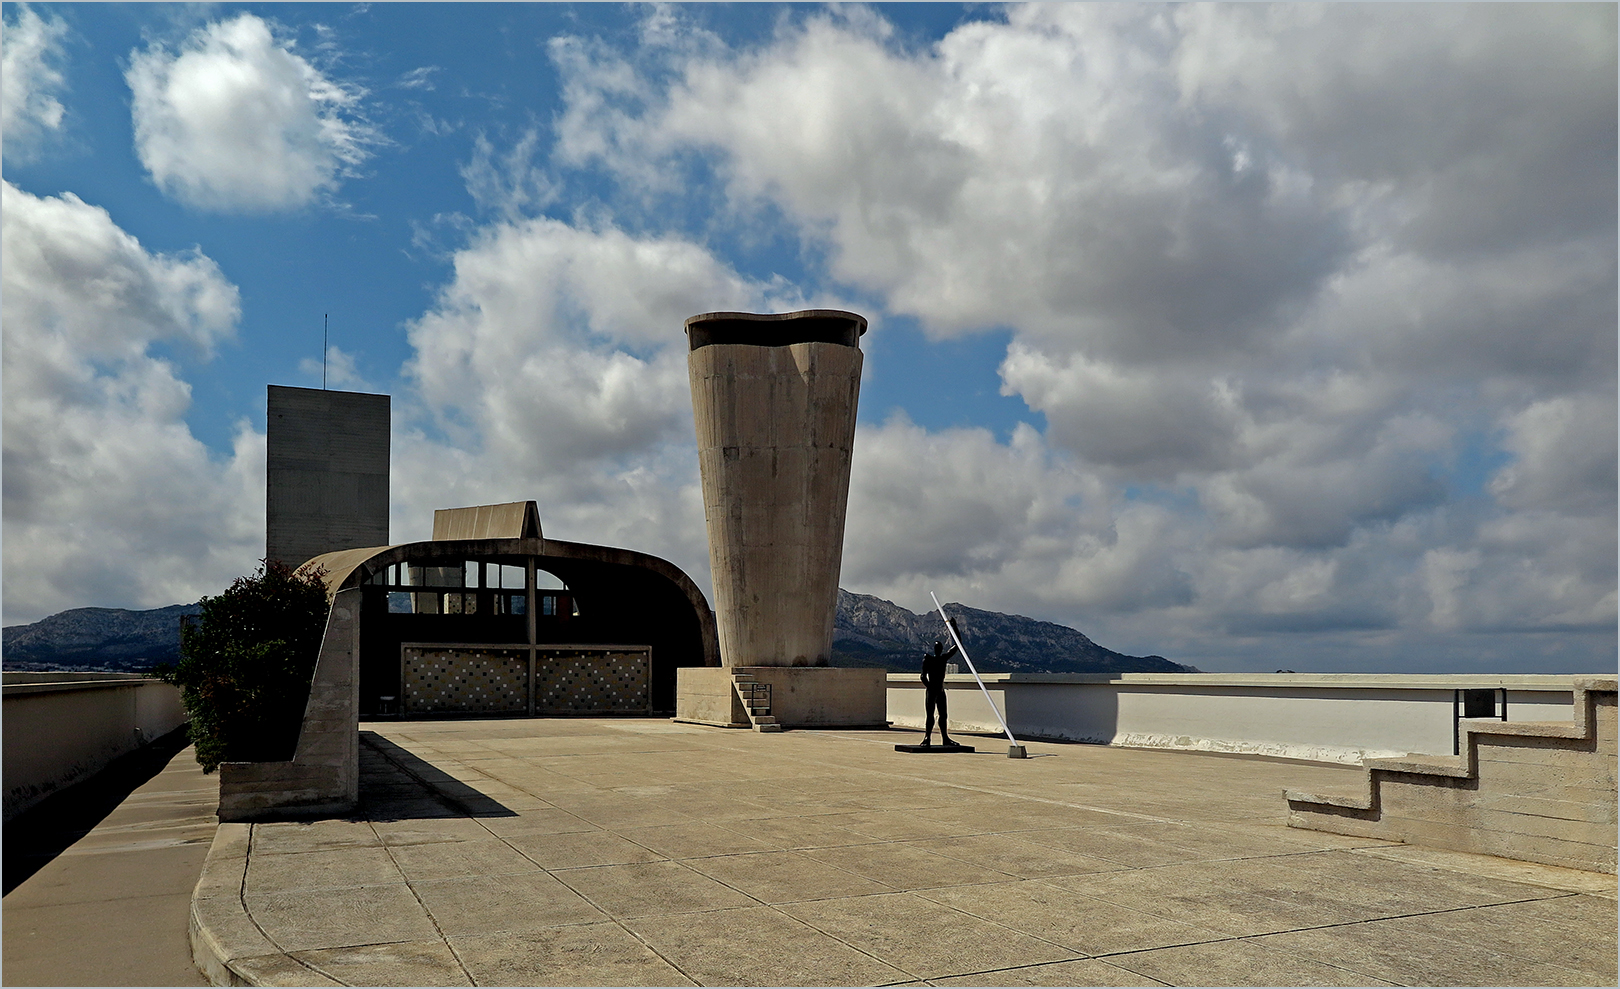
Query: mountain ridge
{"x": 870, "y": 631}
{"x": 97, "y": 639}
{"x": 867, "y": 631}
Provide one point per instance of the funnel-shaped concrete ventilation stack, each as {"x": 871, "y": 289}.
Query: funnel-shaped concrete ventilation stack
{"x": 774, "y": 399}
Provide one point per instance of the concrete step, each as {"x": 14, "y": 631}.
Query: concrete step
{"x": 771, "y": 726}
{"x": 1491, "y": 804}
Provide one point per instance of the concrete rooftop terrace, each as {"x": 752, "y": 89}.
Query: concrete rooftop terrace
{"x": 642, "y": 852}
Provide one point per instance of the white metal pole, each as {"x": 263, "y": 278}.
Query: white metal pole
{"x": 963, "y": 650}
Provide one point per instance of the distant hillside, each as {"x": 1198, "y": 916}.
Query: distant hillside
{"x": 96, "y": 639}
{"x": 870, "y": 631}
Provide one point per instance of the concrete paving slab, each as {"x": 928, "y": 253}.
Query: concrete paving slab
{"x": 1123, "y": 847}
{"x": 1011, "y": 854}
{"x": 1397, "y": 951}
{"x": 279, "y": 970}
{"x": 684, "y": 841}
{"x": 791, "y": 833}
{"x": 49, "y": 944}
{"x": 922, "y": 937}
{"x": 905, "y": 866}
{"x": 138, "y": 870}
{"x": 1567, "y": 931}
{"x": 1385, "y": 888}
{"x": 1199, "y": 866}
{"x": 651, "y": 889}
{"x": 593, "y": 954}
{"x": 314, "y": 836}
{"x": 717, "y": 810}
{"x": 403, "y": 963}
{"x": 540, "y": 819}
{"x": 1204, "y": 903}
{"x": 578, "y": 850}
{"x": 982, "y": 814}
{"x": 759, "y": 946}
{"x": 412, "y": 811}
{"x": 1489, "y": 866}
{"x": 487, "y": 856}
{"x": 339, "y": 918}
{"x": 410, "y": 831}
{"x": 1240, "y": 963}
{"x": 892, "y": 825}
{"x": 1278, "y": 836}
{"x": 501, "y": 904}
{"x": 1084, "y": 972}
{"x": 323, "y": 868}
{"x": 784, "y": 877}
{"x": 609, "y": 810}
{"x": 114, "y": 907}
{"x": 1063, "y": 917}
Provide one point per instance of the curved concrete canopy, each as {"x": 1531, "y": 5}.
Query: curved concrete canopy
{"x": 353, "y": 567}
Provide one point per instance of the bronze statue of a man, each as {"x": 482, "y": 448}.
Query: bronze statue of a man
{"x": 933, "y": 678}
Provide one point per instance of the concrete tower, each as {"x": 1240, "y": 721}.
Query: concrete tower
{"x": 774, "y": 399}
{"x": 326, "y": 459}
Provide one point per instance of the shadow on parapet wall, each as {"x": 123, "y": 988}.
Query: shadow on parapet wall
{"x": 39, "y": 834}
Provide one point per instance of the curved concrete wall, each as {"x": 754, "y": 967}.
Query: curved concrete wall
{"x": 61, "y": 728}
{"x": 1338, "y": 718}
{"x": 775, "y": 428}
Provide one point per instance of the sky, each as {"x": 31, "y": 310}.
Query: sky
{"x": 1256, "y": 337}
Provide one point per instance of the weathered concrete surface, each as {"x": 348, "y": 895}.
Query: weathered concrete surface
{"x": 510, "y": 520}
{"x": 640, "y": 852}
{"x": 112, "y": 908}
{"x": 61, "y": 728}
{"x": 824, "y": 697}
{"x": 1542, "y": 792}
{"x": 704, "y": 695}
{"x": 326, "y": 472}
{"x": 323, "y": 776}
{"x": 775, "y": 429}
{"x": 801, "y": 696}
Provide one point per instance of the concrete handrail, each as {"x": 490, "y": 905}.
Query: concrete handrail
{"x": 1337, "y": 717}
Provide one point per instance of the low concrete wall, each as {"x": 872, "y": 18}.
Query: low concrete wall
{"x": 801, "y": 696}
{"x": 324, "y": 774}
{"x": 1339, "y": 718}
{"x": 704, "y": 695}
{"x": 823, "y": 696}
{"x": 1537, "y": 791}
{"x": 61, "y": 728}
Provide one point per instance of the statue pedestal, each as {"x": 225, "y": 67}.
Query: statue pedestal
{"x": 800, "y": 696}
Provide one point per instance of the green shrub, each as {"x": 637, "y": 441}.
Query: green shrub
{"x": 246, "y": 663}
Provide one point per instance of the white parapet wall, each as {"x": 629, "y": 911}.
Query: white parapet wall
{"x": 1338, "y": 717}
{"x": 61, "y": 728}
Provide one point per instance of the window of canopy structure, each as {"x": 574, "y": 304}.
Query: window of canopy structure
{"x": 472, "y": 587}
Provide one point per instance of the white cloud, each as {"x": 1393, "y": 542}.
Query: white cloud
{"x": 1564, "y": 456}
{"x": 29, "y": 79}
{"x": 1268, "y": 271}
{"x": 1004, "y": 525}
{"x": 234, "y": 120}
{"x": 554, "y": 367}
{"x": 109, "y": 499}
{"x": 339, "y": 371}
